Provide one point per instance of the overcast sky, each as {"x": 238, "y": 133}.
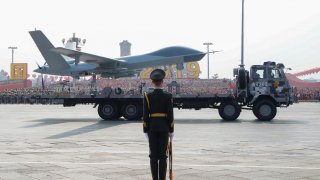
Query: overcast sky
{"x": 286, "y": 31}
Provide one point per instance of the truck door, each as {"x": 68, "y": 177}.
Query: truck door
{"x": 278, "y": 82}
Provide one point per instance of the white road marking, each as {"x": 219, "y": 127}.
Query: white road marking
{"x": 146, "y": 152}
{"x": 181, "y": 165}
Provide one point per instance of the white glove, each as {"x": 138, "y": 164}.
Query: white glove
{"x": 147, "y": 136}
{"x": 171, "y": 135}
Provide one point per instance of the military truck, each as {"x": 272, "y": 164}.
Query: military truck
{"x": 263, "y": 89}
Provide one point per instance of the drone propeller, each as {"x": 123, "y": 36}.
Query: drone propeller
{"x": 42, "y": 81}
{"x": 38, "y": 65}
{"x": 42, "y": 65}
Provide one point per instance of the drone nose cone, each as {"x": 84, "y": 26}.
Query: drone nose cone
{"x": 175, "y": 51}
{"x": 188, "y": 54}
{"x": 194, "y": 57}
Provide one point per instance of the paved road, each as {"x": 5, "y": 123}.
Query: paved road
{"x": 52, "y": 142}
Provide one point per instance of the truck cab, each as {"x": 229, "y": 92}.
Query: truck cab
{"x": 269, "y": 81}
{"x": 263, "y": 89}
{"x": 266, "y": 88}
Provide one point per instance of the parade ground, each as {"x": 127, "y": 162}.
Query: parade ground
{"x": 55, "y": 142}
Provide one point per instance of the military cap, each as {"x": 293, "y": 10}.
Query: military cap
{"x": 157, "y": 75}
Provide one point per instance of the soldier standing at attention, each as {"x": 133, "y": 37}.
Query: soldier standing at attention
{"x": 158, "y": 124}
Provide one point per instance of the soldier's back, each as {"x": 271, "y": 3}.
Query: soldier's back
{"x": 159, "y": 100}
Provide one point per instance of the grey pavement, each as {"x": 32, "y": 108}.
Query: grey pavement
{"x": 53, "y": 142}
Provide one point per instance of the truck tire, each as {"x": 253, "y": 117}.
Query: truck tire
{"x": 264, "y": 110}
{"x": 229, "y": 110}
{"x": 132, "y": 111}
{"x": 108, "y": 111}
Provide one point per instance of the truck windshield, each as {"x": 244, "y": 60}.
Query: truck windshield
{"x": 258, "y": 72}
{"x": 275, "y": 73}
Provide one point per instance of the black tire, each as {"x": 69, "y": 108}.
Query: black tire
{"x": 264, "y": 110}
{"x": 229, "y": 111}
{"x": 108, "y": 111}
{"x": 132, "y": 111}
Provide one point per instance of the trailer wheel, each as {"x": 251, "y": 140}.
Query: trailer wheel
{"x": 108, "y": 111}
{"x": 132, "y": 111}
{"x": 229, "y": 110}
{"x": 264, "y": 110}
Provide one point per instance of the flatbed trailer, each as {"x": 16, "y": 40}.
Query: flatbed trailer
{"x": 130, "y": 106}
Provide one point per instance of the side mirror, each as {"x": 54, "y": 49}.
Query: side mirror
{"x": 235, "y": 72}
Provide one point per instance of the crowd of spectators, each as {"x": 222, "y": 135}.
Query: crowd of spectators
{"x": 204, "y": 86}
{"x": 307, "y": 94}
{"x": 85, "y": 87}
{"x": 186, "y": 86}
{"x": 135, "y": 86}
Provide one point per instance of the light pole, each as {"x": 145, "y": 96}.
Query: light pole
{"x": 12, "y": 51}
{"x": 242, "y": 34}
{"x": 208, "y": 44}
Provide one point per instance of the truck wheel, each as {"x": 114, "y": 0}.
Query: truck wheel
{"x": 108, "y": 111}
{"x": 264, "y": 110}
{"x": 229, "y": 111}
{"x": 132, "y": 111}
